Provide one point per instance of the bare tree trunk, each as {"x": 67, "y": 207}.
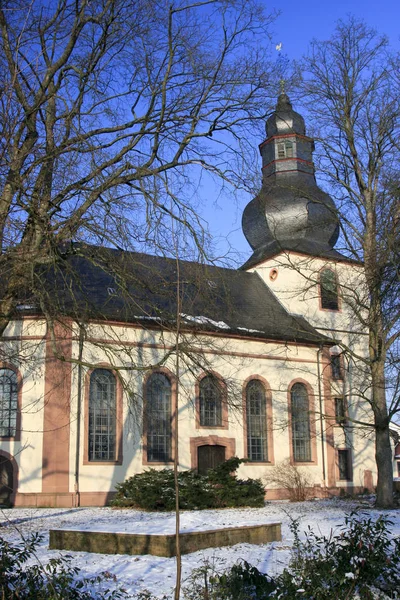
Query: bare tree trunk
{"x": 383, "y": 451}
{"x": 177, "y": 511}
{"x": 177, "y": 592}
{"x": 383, "y": 456}
{"x": 377, "y": 357}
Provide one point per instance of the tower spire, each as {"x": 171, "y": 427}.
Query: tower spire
{"x": 291, "y": 212}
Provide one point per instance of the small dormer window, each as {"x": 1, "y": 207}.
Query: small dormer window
{"x": 285, "y": 150}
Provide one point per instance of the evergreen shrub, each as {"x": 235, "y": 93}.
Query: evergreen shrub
{"x": 359, "y": 563}
{"x": 241, "y": 582}
{"x": 24, "y": 578}
{"x": 362, "y": 561}
{"x": 219, "y": 488}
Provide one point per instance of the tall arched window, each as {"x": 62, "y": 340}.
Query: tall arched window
{"x": 210, "y": 402}
{"x": 329, "y": 290}
{"x": 102, "y": 416}
{"x": 158, "y": 418}
{"x": 8, "y": 403}
{"x": 301, "y": 435}
{"x": 256, "y": 416}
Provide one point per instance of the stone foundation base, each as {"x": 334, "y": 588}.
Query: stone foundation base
{"x": 71, "y": 500}
{"x": 161, "y": 545}
{"x": 66, "y": 500}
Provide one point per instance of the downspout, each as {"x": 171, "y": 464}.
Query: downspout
{"x": 78, "y": 416}
{"x": 321, "y": 419}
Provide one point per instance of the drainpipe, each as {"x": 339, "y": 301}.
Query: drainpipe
{"x": 321, "y": 419}
{"x": 78, "y": 416}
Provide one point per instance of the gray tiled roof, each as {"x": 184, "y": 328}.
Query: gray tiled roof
{"x": 111, "y": 284}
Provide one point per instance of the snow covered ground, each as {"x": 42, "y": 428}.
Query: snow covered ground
{"x": 135, "y": 573}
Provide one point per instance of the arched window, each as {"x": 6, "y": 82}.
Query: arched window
{"x": 210, "y": 402}
{"x": 329, "y": 290}
{"x": 102, "y": 416}
{"x": 158, "y": 418}
{"x": 301, "y": 437}
{"x": 256, "y": 415}
{"x": 8, "y": 403}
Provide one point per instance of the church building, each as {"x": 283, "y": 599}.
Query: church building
{"x": 256, "y": 362}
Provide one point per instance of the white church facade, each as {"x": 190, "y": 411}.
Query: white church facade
{"x": 265, "y": 368}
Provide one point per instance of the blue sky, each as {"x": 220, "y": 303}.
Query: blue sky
{"x": 301, "y": 21}
{"x": 297, "y": 25}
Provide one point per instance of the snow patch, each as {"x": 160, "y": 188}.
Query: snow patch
{"x": 250, "y": 330}
{"x": 200, "y": 320}
{"x": 147, "y": 318}
{"x": 157, "y": 574}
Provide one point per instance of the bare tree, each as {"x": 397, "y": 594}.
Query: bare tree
{"x": 110, "y": 110}
{"x": 351, "y": 88}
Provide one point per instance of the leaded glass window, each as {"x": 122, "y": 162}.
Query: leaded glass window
{"x": 301, "y": 435}
{"x": 8, "y": 403}
{"x": 257, "y": 449}
{"x": 210, "y": 402}
{"x": 102, "y": 416}
{"x": 158, "y": 418}
{"x": 329, "y": 290}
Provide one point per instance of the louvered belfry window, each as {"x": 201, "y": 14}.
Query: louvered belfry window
{"x": 257, "y": 449}
{"x": 158, "y": 418}
{"x": 210, "y": 402}
{"x": 8, "y": 403}
{"x": 329, "y": 290}
{"x": 285, "y": 150}
{"x": 301, "y": 433}
{"x": 102, "y": 416}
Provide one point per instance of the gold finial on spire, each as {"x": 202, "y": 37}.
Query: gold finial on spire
{"x": 282, "y": 85}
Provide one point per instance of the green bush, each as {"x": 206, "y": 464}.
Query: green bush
{"x": 155, "y": 490}
{"x": 56, "y": 580}
{"x": 361, "y": 562}
{"x": 240, "y": 582}
{"x": 231, "y": 491}
{"x": 195, "y": 491}
{"x": 151, "y": 490}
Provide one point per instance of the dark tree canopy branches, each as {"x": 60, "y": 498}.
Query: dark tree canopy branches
{"x": 110, "y": 109}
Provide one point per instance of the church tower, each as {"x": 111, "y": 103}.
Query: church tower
{"x": 291, "y": 213}
{"x": 292, "y": 226}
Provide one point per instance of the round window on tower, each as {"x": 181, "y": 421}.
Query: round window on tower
{"x": 273, "y": 274}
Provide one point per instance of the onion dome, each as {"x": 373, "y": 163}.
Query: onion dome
{"x": 285, "y": 119}
{"x": 291, "y": 212}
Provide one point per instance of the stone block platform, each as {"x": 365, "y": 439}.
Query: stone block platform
{"x": 161, "y": 545}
